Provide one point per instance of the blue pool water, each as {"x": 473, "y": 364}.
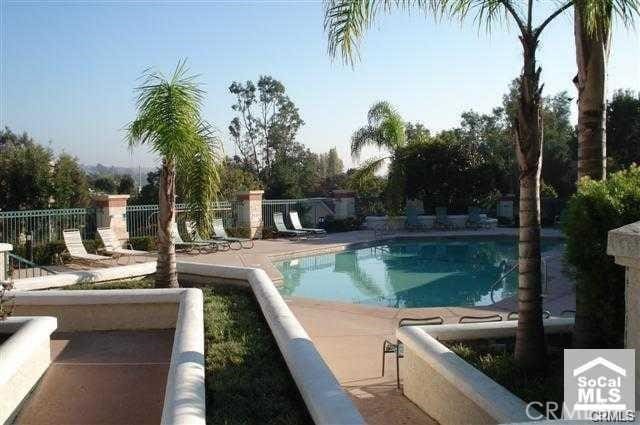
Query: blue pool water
{"x": 406, "y": 274}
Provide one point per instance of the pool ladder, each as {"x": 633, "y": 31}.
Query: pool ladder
{"x": 504, "y": 275}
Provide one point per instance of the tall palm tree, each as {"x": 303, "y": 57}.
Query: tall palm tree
{"x": 592, "y": 29}
{"x": 385, "y": 129}
{"x": 346, "y": 22}
{"x": 169, "y": 121}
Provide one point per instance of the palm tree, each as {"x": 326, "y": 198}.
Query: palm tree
{"x": 385, "y": 130}
{"x": 592, "y": 29}
{"x": 347, "y": 20}
{"x": 169, "y": 121}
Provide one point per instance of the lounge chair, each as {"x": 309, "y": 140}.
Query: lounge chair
{"x": 77, "y": 251}
{"x": 413, "y": 222}
{"x": 295, "y": 222}
{"x": 113, "y": 247}
{"x": 199, "y": 247}
{"x": 442, "y": 220}
{"x": 281, "y": 228}
{"x": 220, "y": 233}
{"x": 192, "y": 230}
{"x": 474, "y": 220}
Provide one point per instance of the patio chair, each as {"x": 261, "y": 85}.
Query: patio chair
{"x": 474, "y": 221}
{"x": 281, "y": 228}
{"x": 413, "y": 222}
{"x": 189, "y": 247}
{"x": 442, "y": 219}
{"x": 192, "y": 230}
{"x": 113, "y": 247}
{"x": 76, "y": 250}
{"x": 295, "y": 222}
{"x": 220, "y": 233}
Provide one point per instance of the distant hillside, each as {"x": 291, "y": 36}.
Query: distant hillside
{"x": 112, "y": 170}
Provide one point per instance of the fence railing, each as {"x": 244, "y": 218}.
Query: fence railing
{"x": 44, "y": 226}
{"x": 310, "y": 210}
{"x": 142, "y": 219}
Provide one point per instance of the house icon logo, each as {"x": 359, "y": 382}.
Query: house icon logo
{"x": 599, "y": 384}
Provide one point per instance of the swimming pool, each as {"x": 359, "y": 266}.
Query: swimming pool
{"x": 408, "y": 273}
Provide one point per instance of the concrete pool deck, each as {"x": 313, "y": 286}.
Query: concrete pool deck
{"x": 349, "y": 337}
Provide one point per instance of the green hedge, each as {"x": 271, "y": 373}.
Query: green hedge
{"x": 596, "y": 208}
{"x": 143, "y": 243}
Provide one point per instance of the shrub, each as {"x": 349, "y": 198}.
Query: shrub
{"x": 48, "y": 254}
{"x": 143, "y": 243}
{"x": 333, "y": 225}
{"x": 596, "y": 208}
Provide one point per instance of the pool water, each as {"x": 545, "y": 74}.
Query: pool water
{"x": 409, "y": 273}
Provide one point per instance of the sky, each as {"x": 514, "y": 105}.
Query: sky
{"x": 69, "y": 69}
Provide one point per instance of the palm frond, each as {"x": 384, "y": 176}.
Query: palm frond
{"x": 597, "y": 15}
{"x": 345, "y": 22}
{"x": 368, "y": 169}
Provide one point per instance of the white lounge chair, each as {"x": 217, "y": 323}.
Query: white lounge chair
{"x": 192, "y": 230}
{"x": 221, "y": 233}
{"x": 295, "y": 222}
{"x": 199, "y": 247}
{"x": 77, "y": 251}
{"x": 113, "y": 247}
{"x": 281, "y": 228}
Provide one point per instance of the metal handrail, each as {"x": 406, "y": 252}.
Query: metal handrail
{"x": 24, "y": 264}
{"x": 500, "y": 280}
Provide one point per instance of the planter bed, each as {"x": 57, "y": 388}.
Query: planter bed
{"x": 453, "y": 391}
{"x": 495, "y": 359}
{"x": 247, "y": 380}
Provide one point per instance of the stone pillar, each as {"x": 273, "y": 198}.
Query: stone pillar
{"x": 111, "y": 211}
{"x": 345, "y": 204}
{"x": 5, "y": 249}
{"x": 250, "y": 213}
{"x": 624, "y": 244}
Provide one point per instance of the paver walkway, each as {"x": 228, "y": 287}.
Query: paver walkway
{"x": 110, "y": 377}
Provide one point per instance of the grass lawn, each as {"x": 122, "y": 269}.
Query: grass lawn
{"x": 247, "y": 380}
{"x": 496, "y": 361}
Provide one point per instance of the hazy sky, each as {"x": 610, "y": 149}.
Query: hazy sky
{"x": 69, "y": 68}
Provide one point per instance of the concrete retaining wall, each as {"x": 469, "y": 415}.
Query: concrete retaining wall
{"x": 449, "y": 389}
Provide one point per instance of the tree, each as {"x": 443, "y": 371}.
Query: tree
{"x": 104, "y": 184}
{"x": 126, "y": 186}
{"x": 623, "y": 129}
{"x": 69, "y": 183}
{"x": 592, "y": 28}
{"x": 268, "y": 121}
{"x": 346, "y": 22}
{"x": 25, "y": 173}
{"x": 235, "y": 178}
{"x": 169, "y": 121}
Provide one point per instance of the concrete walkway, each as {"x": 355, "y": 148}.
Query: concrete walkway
{"x": 114, "y": 377}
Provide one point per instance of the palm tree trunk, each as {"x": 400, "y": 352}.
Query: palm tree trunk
{"x": 592, "y": 55}
{"x": 166, "y": 274}
{"x": 530, "y": 350}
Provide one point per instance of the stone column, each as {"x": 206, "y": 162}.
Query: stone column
{"x": 345, "y": 204}
{"x": 624, "y": 244}
{"x": 5, "y": 249}
{"x": 250, "y": 213}
{"x": 111, "y": 211}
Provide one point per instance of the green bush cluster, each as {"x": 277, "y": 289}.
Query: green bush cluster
{"x": 333, "y": 225}
{"x": 49, "y": 253}
{"x": 143, "y": 243}
{"x": 597, "y": 208}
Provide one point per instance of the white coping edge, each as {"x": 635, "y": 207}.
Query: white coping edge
{"x": 85, "y": 276}
{"x": 325, "y": 399}
{"x": 185, "y": 397}
{"x": 185, "y": 400}
{"x": 26, "y": 331}
{"x": 496, "y": 400}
